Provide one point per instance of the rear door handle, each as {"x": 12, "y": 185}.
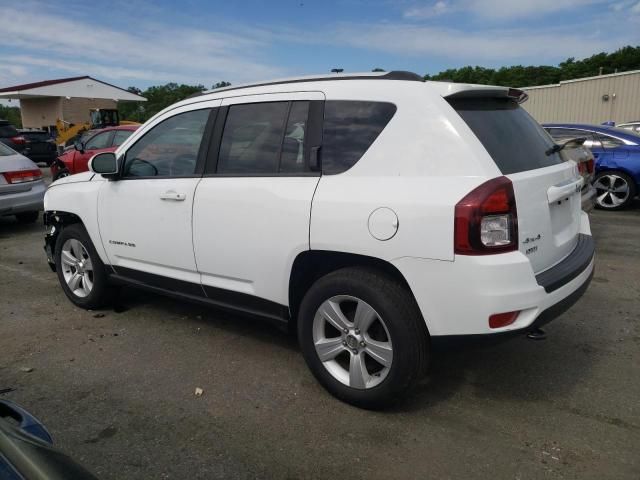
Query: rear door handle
{"x": 565, "y": 189}
{"x": 170, "y": 195}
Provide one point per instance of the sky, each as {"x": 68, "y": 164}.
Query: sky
{"x": 143, "y": 43}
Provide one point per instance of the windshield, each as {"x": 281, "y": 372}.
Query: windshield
{"x": 515, "y": 141}
{"x": 4, "y": 150}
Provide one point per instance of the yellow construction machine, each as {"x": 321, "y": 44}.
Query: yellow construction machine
{"x": 98, "y": 118}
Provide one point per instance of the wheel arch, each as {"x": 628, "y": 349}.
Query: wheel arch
{"x": 311, "y": 265}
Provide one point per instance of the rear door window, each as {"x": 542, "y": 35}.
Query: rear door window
{"x": 515, "y": 141}
{"x": 264, "y": 139}
{"x": 350, "y": 127}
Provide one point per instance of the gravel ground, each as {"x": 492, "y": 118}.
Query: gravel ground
{"x": 116, "y": 387}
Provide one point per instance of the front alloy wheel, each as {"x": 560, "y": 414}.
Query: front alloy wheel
{"x": 82, "y": 275}
{"x": 352, "y": 341}
{"x": 77, "y": 268}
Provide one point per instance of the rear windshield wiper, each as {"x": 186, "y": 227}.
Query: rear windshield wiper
{"x": 573, "y": 143}
{"x": 555, "y": 149}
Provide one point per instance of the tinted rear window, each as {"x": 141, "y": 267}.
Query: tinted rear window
{"x": 515, "y": 141}
{"x": 350, "y": 127}
{"x": 8, "y": 131}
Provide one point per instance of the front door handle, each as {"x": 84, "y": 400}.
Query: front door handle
{"x": 171, "y": 195}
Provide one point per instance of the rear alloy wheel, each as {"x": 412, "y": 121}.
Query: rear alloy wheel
{"x": 363, "y": 337}
{"x": 81, "y": 273}
{"x": 614, "y": 190}
{"x": 358, "y": 351}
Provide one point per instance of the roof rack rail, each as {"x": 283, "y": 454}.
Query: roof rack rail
{"x": 393, "y": 75}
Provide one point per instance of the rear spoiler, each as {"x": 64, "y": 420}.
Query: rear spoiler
{"x": 496, "y": 92}
{"x": 466, "y": 90}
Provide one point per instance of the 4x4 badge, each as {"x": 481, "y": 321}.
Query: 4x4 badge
{"x": 532, "y": 239}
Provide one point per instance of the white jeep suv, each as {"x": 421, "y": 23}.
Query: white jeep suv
{"x": 378, "y": 214}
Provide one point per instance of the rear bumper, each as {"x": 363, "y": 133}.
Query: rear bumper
{"x": 457, "y": 298}
{"x": 28, "y": 201}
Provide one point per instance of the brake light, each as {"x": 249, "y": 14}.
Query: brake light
{"x": 590, "y": 165}
{"x": 23, "y": 176}
{"x": 19, "y": 140}
{"x": 499, "y": 320}
{"x": 582, "y": 168}
{"x": 486, "y": 220}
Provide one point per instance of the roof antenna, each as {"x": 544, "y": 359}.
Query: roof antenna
{"x": 337, "y": 70}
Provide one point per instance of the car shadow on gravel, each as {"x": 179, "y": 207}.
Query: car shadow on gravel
{"x": 519, "y": 369}
{"x": 197, "y": 315}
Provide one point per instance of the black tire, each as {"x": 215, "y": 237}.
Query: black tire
{"x": 27, "y": 217}
{"x": 102, "y": 293}
{"x": 603, "y": 179}
{"x": 61, "y": 174}
{"x": 406, "y": 331}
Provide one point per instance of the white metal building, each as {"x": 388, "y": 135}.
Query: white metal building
{"x": 67, "y": 99}
{"x": 614, "y": 97}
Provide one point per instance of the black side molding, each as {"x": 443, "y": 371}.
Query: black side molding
{"x": 570, "y": 267}
{"x": 202, "y": 294}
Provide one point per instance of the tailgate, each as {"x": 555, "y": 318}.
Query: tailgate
{"x": 549, "y": 209}
{"x": 546, "y": 186}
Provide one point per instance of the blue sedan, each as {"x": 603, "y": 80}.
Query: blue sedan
{"x": 617, "y": 154}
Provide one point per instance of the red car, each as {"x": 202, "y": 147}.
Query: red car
{"x": 76, "y": 159}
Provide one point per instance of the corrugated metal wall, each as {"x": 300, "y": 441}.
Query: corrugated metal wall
{"x": 581, "y": 101}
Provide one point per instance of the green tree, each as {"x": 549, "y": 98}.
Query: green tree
{"x": 11, "y": 114}
{"x": 624, "y": 59}
{"x": 220, "y": 85}
{"x": 158, "y": 98}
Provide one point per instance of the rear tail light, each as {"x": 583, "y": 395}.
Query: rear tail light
{"x": 23, "y": 176}
{"x": 590, "y": 166}
{"x": 499, "y": 320}
{"x": 582, "y": 168}
{"x": 19, "y": 140}
{"x": 486, "y": 220}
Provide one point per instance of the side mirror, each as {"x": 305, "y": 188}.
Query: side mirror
{"x": 79, "y": 146}
{"x": 105, "y": 164}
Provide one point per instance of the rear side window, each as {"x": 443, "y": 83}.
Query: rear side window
{"x": 350, "y": 127}
{"x": 515, "y": 141}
